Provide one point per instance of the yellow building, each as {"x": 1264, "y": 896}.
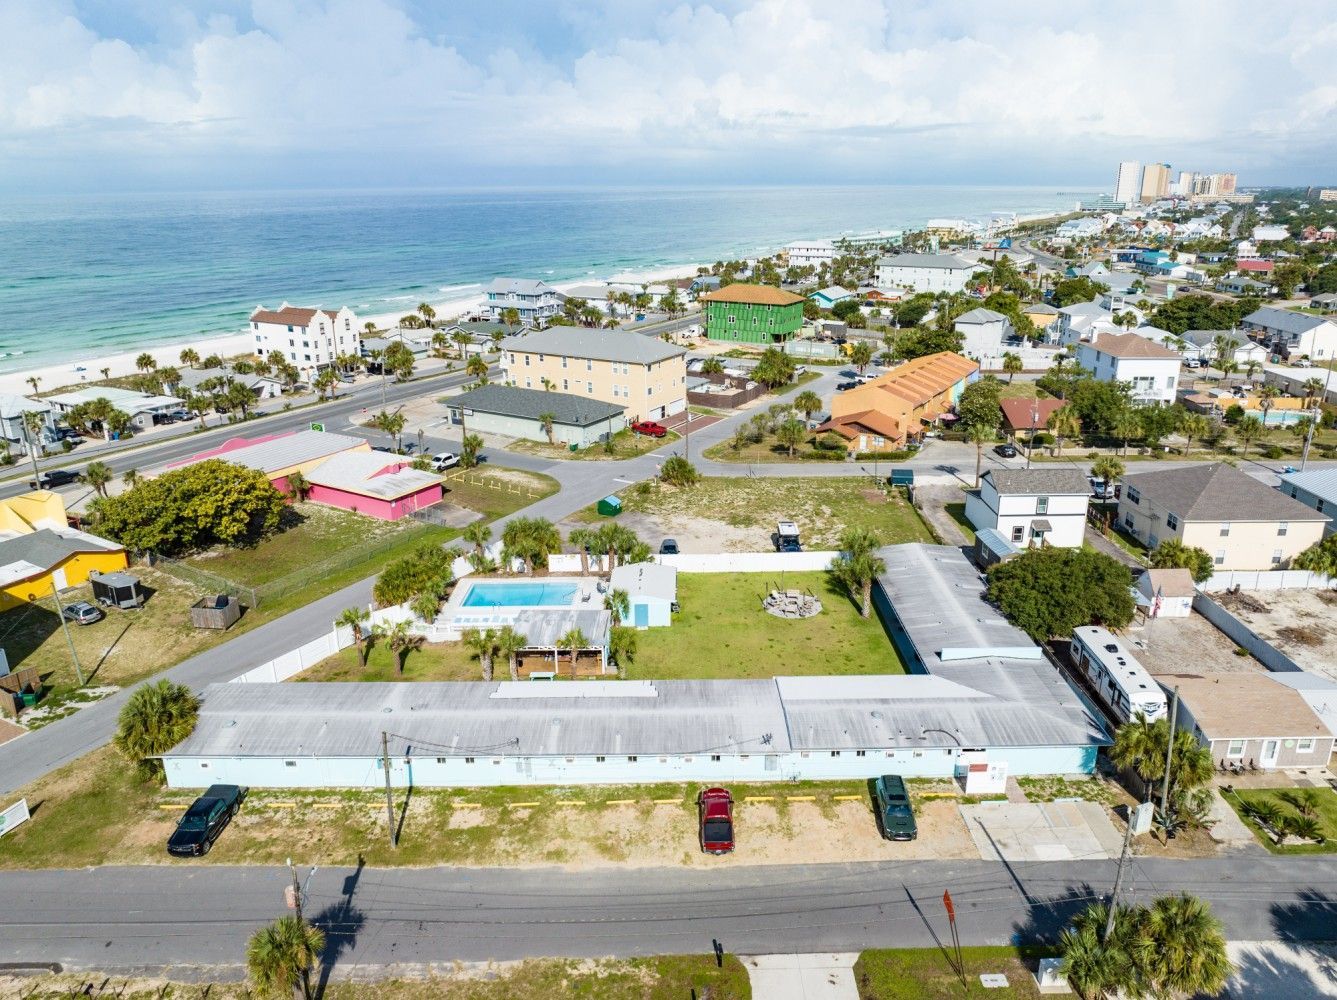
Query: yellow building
{"x": 1041, "y": 314}
{"x": 38, "y": 549}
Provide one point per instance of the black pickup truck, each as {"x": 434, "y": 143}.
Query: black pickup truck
{"x": 53, "y": 477}
{"x": 205, "y": 820}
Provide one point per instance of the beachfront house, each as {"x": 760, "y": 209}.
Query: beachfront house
{"x": 752, "y": 314}
{"x": 145, "y": 409}
{"x": 534, "y": 301}
{"x": 643, "y": 375}
{"x": 308, "y": 339}
{"x": 810, "y": 253}
{"x": 1152, "y": 370}
{"x": 1240, "y": 522}
{"x": 924, "y": 272}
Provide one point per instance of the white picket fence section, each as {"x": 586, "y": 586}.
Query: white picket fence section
{"x": 1283, "y": 579}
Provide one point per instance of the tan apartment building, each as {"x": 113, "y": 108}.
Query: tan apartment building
{"x": 1237, "y": 520}
{"x": 643, "y": 374}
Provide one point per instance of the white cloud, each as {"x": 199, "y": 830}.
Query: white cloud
{"x": 862, "y": 85}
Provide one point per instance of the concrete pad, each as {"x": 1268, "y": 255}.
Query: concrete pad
{"x": 1281, "y": 969}
{"x": 1227, "y": 827}
{"x": 825, "y": 976}
{"x": 1042, "y": 831}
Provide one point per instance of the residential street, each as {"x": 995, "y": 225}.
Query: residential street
{"x": 145, "y": 919}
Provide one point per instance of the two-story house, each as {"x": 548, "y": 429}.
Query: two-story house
{"x": 983, "y": 332}
{"x": 924, "y": 272}
{"x": 643, "y": 374}
{"x": 752, "y": 314}
{"x": 308, "y": 339}
{"x": 1152, "y": 370}
{"x": 1032, "y": 507}
{"x": 534, "y": 301}
{"x": 1240, "y": 522}
{"x": 1292, "y": 334}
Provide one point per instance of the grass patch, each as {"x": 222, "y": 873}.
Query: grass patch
{"x": 662, "y": 977}
{"x": 1049, "y": 788}
{"x": 1327, "y": 818}
{"x": 926, "y": 973}
{"x": 957, "y": 512}
{"x": 625, "y": 445}
{"x": 1022, "y": 390}
{"x": 722, "y": 632}
{"x": 444, "y": 661}
{"x": 822, "y": 508}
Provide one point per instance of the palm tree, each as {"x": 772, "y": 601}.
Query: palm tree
{"x": 1012, "y": 365}
{"x": 791, "y": 433}
{"x": 146, "y": 362}
{"x": 1251, "y": 368}
{"x": 157, "y": 717}
{"x": 1228, "y": 368}
{"x": 427, "y": 313}
{"x": 106, "y": 372}
{"x": 714, "y": 366}
{"x": 98, "y": 475}
{"x": 1139, "y": 746}
{"x": 425, "y": 606}
{"x": 1267, "y": 397}
{"x": 476, "y": 367}
{"x": 1194, "y": 426}
{"x": 1313, "y": 389}
{"x": 298, "y": 486}
{"x": 1096, "y": 967}
{"x": 326, "y": 381}
{"x": 190, "y": 357}
{"x": 390, "y": 423}
{"x": 399, "y": 640}
{"x": 978, "y": 435}
{"x": 508, "y": 643}
{"x": 280, "y": 957}
{"x": 1064, "y": 423}
{"x": 355, "y": 618}
{"x": 483, "y": 643}
{"x": 857, "y": 566}
{"x": 478, "y": 534}
{"x": 131, "y": 478}
{"x": 1249, "y": 428}
{"x": 1188, "y": 956}
{"x": 861, "y": 355}
{"x": 573, "y": 640}
{"x": 618, "y": 604}
{"x": 470, "y": 446}
{"x": 546, "y": 421}
{"x": 808, "y": 402}
{"x": 33, "y": 381}
{"x": 511, "y": 317}
{"x": 622, "y": 642}
{"x": 1107, "y": 468}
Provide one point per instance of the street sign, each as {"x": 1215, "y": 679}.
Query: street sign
{"x": 318, "y": 427}
{"x": 13, "y": 816}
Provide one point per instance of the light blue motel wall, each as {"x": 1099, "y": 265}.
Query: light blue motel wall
{"x": 655, "y": 613}
{"x": 449, "y": 772}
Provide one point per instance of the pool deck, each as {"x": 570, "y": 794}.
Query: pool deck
{"x": 455, "y": 615}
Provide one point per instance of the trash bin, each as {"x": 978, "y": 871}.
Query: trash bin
{"x": 574, "y": 446}
{"x": 29, "y": 698}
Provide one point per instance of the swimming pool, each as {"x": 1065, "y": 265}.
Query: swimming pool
{"x": 520, "y": 594}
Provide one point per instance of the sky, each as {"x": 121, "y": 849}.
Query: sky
{"x": 142, "y": 95}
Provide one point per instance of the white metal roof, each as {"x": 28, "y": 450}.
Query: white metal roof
{"x": 647, "y": 580}
{"x": 362, "y": 472}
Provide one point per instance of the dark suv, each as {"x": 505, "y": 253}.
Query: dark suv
{"x": 205, "y": 820}
{"x": 895, "y": 814}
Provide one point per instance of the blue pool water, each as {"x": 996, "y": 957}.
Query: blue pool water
{"x": 520, "y": 595}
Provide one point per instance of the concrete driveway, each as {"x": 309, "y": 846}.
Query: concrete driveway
{"x": 1042, "y": 831}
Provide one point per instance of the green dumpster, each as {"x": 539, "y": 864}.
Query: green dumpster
{"x": 29, "y": 698}
{"x": 610, "y": 506}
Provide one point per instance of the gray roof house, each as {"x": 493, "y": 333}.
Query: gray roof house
{"x": 1293, "y": 333}
{"x": 1315, "y": 488}
{"x": 515, "y": 412}
{"x": 982, "y": 334}
{"x": 1202, "y": 345}
{"x": 597, "y": 345}
{"x": 532, "y": 299}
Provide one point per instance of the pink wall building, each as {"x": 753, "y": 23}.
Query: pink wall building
{"x": 373, "y": 483}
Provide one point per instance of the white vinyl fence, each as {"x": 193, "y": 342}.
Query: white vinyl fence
{"x": 1240, "y": 634}
{"x": 1284, "y": 579}
{"x": 749, "y": 562}
{"x": 295, "y": 661}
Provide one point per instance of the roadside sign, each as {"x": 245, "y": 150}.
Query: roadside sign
{"x": 13, "y": 816}
{"x": 947, "y": 902}
{"x": 318, "y": 427}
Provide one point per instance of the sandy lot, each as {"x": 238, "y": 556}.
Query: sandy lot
{"x": 1187, "y": 645}
{"x": 1301, "y": 623}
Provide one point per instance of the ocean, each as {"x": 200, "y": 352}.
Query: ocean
{"x": 86, "y": 277}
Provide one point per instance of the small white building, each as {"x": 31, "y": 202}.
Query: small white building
{"x": 12, "y": 409}
{"x": 1166, "y": 593}
{"x": 1080, "y": 320}
{"x": 1032, "y": 507}
{"x": 652, "y": 590}
{"x": 810, "y": 253}
{"x": 982, "y": 334}
{"x": 144, "y": 409}
{"x": 1152, "y": 370}
{"x": 924, "y": 272}
{"x": 1270, "y": 234}
{"x": 309, "y": 339}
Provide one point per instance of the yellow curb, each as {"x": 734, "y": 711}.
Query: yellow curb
{"x": 325, "y": 805}
{"x": 466, "y": 805}
{"x": 521, "y": 805}
{"x": 759, "y": 798}
{"x": 168, "y": 805}
{"x": 666, "y": 802}
{"x": 848, "y": 798}
{"x": 801, "y": 798}
{"x": 620, "y": 802}
{"x": 570, "y": 802}
{"x": 279, "y": 805}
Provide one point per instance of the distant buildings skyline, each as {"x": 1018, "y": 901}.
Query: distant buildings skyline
{"x": 1136, "y": 184}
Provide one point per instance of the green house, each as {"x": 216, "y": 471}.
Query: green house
{"x": 752, "y": 314}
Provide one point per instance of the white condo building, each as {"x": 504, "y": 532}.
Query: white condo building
{"x": 309, "y": 339}
{"x": 810, "y": 253}
{"x": 1128, "y": 183}
{"x": 924, "y": 272}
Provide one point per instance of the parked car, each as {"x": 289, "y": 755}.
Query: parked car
{"x": 205, "y": 820}
{"x": 842, "y": 386}
{"x": 1303, "y": 363}
{"x": 1006, "y": 450}
{"x": 896, "y": 816}
{"x": 649, "y": 428}
{"x": 1100, "y": 489}
{"x": 81, "y": 613}
{"x": 789, "y": 545}
{"x": 787, "y": 537}
{"x": 69, "y": 434}
{"x": 668, "y": 547}
{"x": 715, "y": 806}
{"x": 446, "y": 460}
{"x": 53, "y": 478}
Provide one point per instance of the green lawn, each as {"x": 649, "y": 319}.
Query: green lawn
{"x": 1327, "y": 817}
{"x": 1022, "y": 390}
{"x": 722, "y": 632}
{"x": 822, "y": 508}
{"x": 927, "y": 974}
{"x": 444, "y": 661}
{"x": 957, "y": 512}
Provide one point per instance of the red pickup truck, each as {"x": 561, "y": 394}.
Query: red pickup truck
{"x": 716, "y": 809}
{"x": 649, "y": 428}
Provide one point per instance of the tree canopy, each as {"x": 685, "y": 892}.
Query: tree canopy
{"x": 1048, "y": 592}
{"x": 979, "y": 404}
{"x": 184, "y": 510}
{"x": 1174, "y": 554}
{"x": 425, "y": 570}
{"x": 922, "y": 341}
{"x": 1072, "y": 290}
{"x": 1200, "y": 312}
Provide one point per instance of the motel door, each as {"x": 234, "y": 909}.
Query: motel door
{"x": 1268, "y": 758}
{"x": 59, "y": 577}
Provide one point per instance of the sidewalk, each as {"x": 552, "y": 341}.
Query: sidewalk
{"x": 825, "y": 976}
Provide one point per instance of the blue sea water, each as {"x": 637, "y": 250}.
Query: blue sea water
{"x": 91, "y": 276}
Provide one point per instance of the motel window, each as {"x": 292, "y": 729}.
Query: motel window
{"x": 861, "y": 753}
{"x": 512, "y": 359}
{"x": 631, "y": 759}
{"x": 1171, "y": 522}
{"x": 469, "y": 760}
{"x": 1225, "y": 530}
{"x": 600, "y": 759}
{"x": 589, "y": 365}
{"x": 1235, "y": 749}
{"x": 290, "y": 763}
{"x": 919, "y": 753}
{"x": 1276, "y": 557}
{"x": 540, "y": 359}
{"x": 1018, "y": 533}
{"x": 1283, "y": 527}
{"x": 715, "y": 756}
{"x": 731, "y": 319}
{"x": 204, "y": 766}
{"x": 441, "y": 760}
{"x": 1304, "y": 746}
{"x": 835, "y": 753}
{"x": 1134, "y": 497}
{"x": 526, "y": 360}
{"x": 589, "y": 388}
{"x": 563, "y": 362}
{"x": 1128, "y": 521}
{"x": 290, "y": 329}
{"x": 1318, "y": 506}
{"x": 1042, "y": 505}
{"x": 565, "y": 385}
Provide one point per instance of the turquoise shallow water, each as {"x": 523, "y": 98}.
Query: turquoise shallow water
{"x": 83, "y": 277}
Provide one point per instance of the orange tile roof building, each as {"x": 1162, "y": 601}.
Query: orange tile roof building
{"x": 896, "y": 408}
{"x": 752, "y": 314}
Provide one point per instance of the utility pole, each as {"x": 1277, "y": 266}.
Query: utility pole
{"x": 1318, "y": 415}
{"x": 1118, "y": 879}
{"x": 293, "y": 896}
{"x": 1035, "y": 418}
{"x": 1169, "y": 753}
{"x": 389, "y": 795}
{"x": 68, "y": 638}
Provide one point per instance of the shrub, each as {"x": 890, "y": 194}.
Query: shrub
{"x": 1042, "y": 439}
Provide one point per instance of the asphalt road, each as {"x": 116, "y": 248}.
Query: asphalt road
{"x": 123, "y": 919}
